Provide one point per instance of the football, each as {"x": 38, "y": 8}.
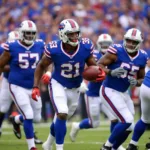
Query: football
{"x": 91, "y": 73}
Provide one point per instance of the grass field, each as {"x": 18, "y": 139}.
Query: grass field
{"x": 91, "y": 139}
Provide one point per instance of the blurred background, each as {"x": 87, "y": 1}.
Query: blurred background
{"x": 95, "y": 17}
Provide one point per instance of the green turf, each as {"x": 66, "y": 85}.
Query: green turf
{"x": 86, "y": 140}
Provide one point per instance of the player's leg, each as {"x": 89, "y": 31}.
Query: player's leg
{"x": 21, "y": 98}
{"x": 125, "y": 135}
{"x": 114, "y": 122}
{"x": 93, "y": 120}
{"x": 36, "y": 106}
{"x": 47, "y": 145}
{"x": 5, "y": 100}
{"x": 59, "y": 101}
{"x": 141, "y": 125}
{"x": 114, "y": 101}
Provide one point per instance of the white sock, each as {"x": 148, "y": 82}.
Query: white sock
{"x": 17, "y": 120}
{"x": 30, "y": 143}
{"x": 59, "y": 146}
{"x": 108, "y": 144}
{"x": 134, "y": 143}
{"x": 50, "y": 140}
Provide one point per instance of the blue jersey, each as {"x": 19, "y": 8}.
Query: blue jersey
{"x": 131, "y": 65}
{"x": 5, "y": 74}
{"x": 68, "y": 68}
{"x": 23, "y": 62}
{"x": 147, "y": 79}
{"x": 94, "y": 87}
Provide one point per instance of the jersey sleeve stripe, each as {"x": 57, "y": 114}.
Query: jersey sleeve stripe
{"x": 112, "y": 50}
{"x": 5, "y": 46}
{"x": 47, "y": 53}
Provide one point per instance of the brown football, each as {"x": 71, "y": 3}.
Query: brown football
{"x": 91, "y": 73}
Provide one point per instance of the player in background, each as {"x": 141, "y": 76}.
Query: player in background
{"x": 23, "y": 56}
{"x": 92, "y": 98}
{"x": 142, "y": 123}
{"x": 125, "y": 67}
{"x": 5, "y": 98}
{"x": 69, "y": 55}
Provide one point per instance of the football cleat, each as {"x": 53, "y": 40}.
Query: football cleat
{"x": 36, "y": 140}
{"x": 33, "y": 148}
{"x": 132, "y": 147}
{"x": 105, "y": 147}
{"x": 16, "y": 127}
{"x": 74, "y": 131}
{"x": 46, "y": 146}
{"x": 121, "y": 148}
{"x": 147, "y": 146}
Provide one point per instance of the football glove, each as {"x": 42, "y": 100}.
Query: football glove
{"x": 101, "y": 76}
{"x": 83, "y": 87}
{"x": 133, "y": 81}
{"x": 117, "y": 72}
{"x": 46, "y": 77}
{"x": 35, "y": 93}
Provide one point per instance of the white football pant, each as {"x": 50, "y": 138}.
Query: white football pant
{"x": 29, "y": 108}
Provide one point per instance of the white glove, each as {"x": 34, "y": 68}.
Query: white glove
{"x": 133, "y": 81}
{"x": 117, "y": 72}
{"x": 83, "y": 87}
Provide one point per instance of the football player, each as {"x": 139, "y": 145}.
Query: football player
{"x": 69, "y": 56}
{"x": 92, "y": 99}
{"x": 6, "y": 100}
{"x": 142, "y": 123}
{"x": 125, "y": 66}
{"x": 23, "y": 56}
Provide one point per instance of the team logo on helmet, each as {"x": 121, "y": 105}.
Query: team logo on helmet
{"x": 61, "y": 26}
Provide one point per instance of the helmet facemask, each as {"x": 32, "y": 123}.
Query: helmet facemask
{"x": 73, "y": 38}
{"x": 131, "y": 45}
{"x": 103, "y": 46}
{"x": 29, "y": 37}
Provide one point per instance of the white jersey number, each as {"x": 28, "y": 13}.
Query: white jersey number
{"x": 131, "y": 70}
{"x": 70, "y": 71}
{"x": 24, "y": 60}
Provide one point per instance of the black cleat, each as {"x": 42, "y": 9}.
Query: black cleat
{"x": 132, "y": 147}
{"x": 147, "y": 146}
{"x": 16, "y": 127}
{"x": 36, "y": 140}
{"x": 105, "y": 147}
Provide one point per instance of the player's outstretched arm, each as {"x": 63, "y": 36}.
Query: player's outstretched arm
{"x": 41, "y": 67}
{"x": 106, "y": 60}
{"x": 4, "y": 59}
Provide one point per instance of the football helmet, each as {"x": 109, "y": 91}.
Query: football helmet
{"x": 67, "y": 27}
{"x": 13, "y": 35}
{"x": 103, "y": 42}
{"x": 132, "y": 40}
{"x": 28, "y": 32}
